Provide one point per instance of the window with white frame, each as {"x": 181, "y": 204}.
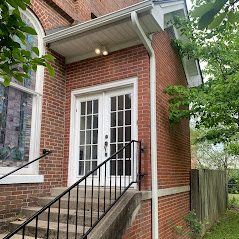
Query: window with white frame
{"x": 20, "y": 112}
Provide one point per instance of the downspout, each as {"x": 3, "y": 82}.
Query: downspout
{"x": 153, "y": 129}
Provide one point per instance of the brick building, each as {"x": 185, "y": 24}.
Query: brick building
{"x": 113, "y": 60}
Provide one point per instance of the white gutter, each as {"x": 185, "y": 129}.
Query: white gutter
{"x": 153, "y": 129}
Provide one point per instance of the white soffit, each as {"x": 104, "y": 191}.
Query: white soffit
{"x": 113, "y": 31}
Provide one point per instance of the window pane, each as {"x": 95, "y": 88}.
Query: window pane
{"x": 82, "y": 122}
{"x": 120, "y": 102}
{"x": 127, "y": 101}
{"x": 113, "y": 150}
{"x": 88, "y": 152}
{"x": 87, "y": 166}
{"x": 120, "y": 134}
{"x": 81, "y": 168}
{"x": 95, "y": 106}
{"x": 89, "y": 122}
{"x": 94, "y": 152}
{"x": 82, "y": 137}
{"x": 88, "y": 137}
{"x": 83, "y": 108}
{"x": 120, "y": 118}
{"x": 127, "y": 133}
{"x": 128, "y": 167}
{"x": 15, "y": 126}
{"x": 112, "y": 167}
{"x": 128, "y": 117}
{"x": 89, "y": 107}
{"x": 113, "y": 135}
{"x": 113, "y": 119}
{"x": 82, "y": 150}
{"x": 120, "y": 167}
{"x": 95, "y": 136}
{"x": 113, "y": 103}
{"x": 95, "y": 121}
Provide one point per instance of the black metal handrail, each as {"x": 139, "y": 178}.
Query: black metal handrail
{"x": 115, "y": 193}
{"x": 45, "y": 153}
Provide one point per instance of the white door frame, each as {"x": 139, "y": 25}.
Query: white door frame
{"x": 115, "y": 85}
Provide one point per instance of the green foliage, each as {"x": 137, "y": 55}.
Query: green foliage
{"x": 215, "y": 104}
{"x": 192, "y": 229}
{"x": 194, "y": 225}
{"x": 210, "y": 13}
{"x": 16, "y": 62}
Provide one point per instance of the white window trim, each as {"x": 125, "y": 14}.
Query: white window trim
{"x": 31, "y": 174}
{"x": 118, "y": 84}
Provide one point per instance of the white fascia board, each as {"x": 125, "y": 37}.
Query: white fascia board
{"x": 98, "y": 22}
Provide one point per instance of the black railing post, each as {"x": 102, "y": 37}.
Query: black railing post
{"x": 140, "y": 162}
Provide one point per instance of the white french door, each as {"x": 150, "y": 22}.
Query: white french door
{"x": 105, "y": 123}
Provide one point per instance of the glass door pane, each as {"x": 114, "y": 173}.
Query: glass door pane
{"x": 88, "y": 146}
{"x": 120, "y": 134}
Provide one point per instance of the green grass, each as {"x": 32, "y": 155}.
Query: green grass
{"x": 234, "y": 198}
{"x": 226, "y": 228}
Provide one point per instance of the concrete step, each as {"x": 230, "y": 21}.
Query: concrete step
{"x": 97, "y": 192}
{"x": 28, "y": 212}
{"x": 53, "y": 226}
{"x": 73, "y": 203}
{"x": 18, "y": 237}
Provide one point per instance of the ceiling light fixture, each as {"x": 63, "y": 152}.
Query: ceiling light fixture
{"x": 97, "y": 51}
{"x": 101, "y": 50}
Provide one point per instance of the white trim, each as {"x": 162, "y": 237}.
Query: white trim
{"x": 153, "y": 121}
{"x": 118, "y": 84}
{"x": 20, "y": 179}
{"x": 147, "y": 195}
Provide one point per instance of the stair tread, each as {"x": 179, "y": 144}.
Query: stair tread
{"x": 95, "y": 200}
{"x": 17, "y": 236}
{"x": 52, "y": 226}
{"x": 63, "y": 211}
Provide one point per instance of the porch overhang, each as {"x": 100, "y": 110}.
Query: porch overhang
{"x": 113, "y": 31}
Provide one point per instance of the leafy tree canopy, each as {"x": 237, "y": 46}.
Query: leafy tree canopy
{"x": 16, "y": 61}
{"x": 211, "y": 13}
{"x": 215, "y": 104}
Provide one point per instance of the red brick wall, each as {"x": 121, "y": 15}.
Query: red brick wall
{"x": 132, "y": 62}
{"x": 174, "y": 160}
{"x": 173, "y": 149}
{"x": 141, "y": 227}
{"x": 58, "y": 13}
{"x": 48, "y": 16}
{"x": 172, "y": 210}
{"x": 101, "y": 7}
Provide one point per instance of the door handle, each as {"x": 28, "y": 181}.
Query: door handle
{"x": 105, "y": 147}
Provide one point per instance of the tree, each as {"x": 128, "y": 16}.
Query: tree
{"x": 210, "y": 156}
{"x": 211, "y": 13}
{"x": 215, "y": 104}
{"x": 17, "y": 61}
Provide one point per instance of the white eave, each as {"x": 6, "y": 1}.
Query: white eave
{"x": 113, "y": 31}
